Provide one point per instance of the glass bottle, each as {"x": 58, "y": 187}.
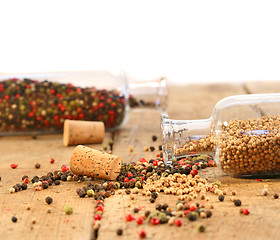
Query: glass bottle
{"x": 242, "y": 135}
{"x": 37, "y": 103}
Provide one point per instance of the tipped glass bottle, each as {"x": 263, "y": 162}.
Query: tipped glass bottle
{"x": 243, "y": 135}
{"x": 38, "y": 103}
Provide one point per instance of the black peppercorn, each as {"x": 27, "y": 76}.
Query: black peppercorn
{"x": 24, "y": 186}
{"x": 37, "y": 165}
{"x": 136, "y": 210}
{"x": 158, "y": 207}
{"x": 119, "y": 232}
{"x": 49, "y": 200}
{"x": 192, "y": 217}
{"x": 45, "y": 185}
{"x": 147, "y": 213}
{"x": 82, "y": 193}
{"x": 152, "y": 200}
{"x": 154, "y": 195}
{"x": 154, "y": 138}
{"x": 165, "y": 206}
{"x": 56, "y": 182}
{"x": 24, "y": 177}
{"x": 50, "y": 182}
{"x": 14, "y": 219}
{"x": 237, "y": 202}
{"x": 152, "y": 148}
{"x": 221, "y": 198}
{"x": 160, "y": 147}
{"x": 208, "y": 213}
{"x": 275, "y": 195}
{"x": 64, "y": 178}
{"x": 127, "y": 191}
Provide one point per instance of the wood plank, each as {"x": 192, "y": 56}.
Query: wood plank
{"x": 55, "y": 225}
{"x": 262, "y": 86}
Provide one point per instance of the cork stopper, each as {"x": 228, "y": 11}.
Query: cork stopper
{"x": 82, "y": 132}
{"x": 93, "y": 163}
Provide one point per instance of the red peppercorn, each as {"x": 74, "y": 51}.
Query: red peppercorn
{"x": 129, "y": 174}
{"x": 97, "y": 216}
{"x": 178, "y": 222}
{"x": 99, "y": 208}
{"x": 142, "y": 160}
{"x": 26, "y": 180}
{"x": 186, "y": 212}
{"x": 129, "y": 217}
{"x": 181, "y": 162}
{"x": 64, "y": 168}
{"x": 245, "y": 211}
{"x": 155, "y": 221}
{"x": 192, "y": 207}
{"x": 14, "y": 165}
{"x": 155, "y": 162}
{"x": 126, "y": 179}
{"x": 194, "y": 172}
{"x": 139, "y": 220}
{"x": 142, "y": 233}
{"x": 52, "y": 160}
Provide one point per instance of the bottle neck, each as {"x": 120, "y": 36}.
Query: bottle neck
{"x": 183, "y": 137}
{"x": 148, "y": 95}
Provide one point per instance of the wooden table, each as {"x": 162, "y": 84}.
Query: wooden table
{"x": 187, "y": 102}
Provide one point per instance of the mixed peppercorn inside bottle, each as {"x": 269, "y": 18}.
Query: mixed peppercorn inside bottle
{"x": 30, "y": 105}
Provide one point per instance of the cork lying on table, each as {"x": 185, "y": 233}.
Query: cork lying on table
{"x": 94, "y": 163}
{"x": 82, "y": 132}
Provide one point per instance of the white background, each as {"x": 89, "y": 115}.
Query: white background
{"x": 188, "y": 41}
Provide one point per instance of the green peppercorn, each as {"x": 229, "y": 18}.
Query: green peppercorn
{"x": 201, "y": 228}
{"x": 138, "y": 184}
{"x": 68, "y": 209}
{"x": 90, "y": 193}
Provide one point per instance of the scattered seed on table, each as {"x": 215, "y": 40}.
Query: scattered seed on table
{"x": 208, "y": 213}
{"x": 275, "y": 195}
{"x": 152, "y": 200}
{"x": 147, "y": 213}
{"x": 28, "y": 207}
{"x": 154, "y": 138}
{"x": 154, "y": 195}
{"x": 237, "y": 203}
{"x": 14, "y": 219}
{"x": 221, "y": 198}
{"x": 33, "y": 220}
{"x": 37, "y": 165}
{"x": 233, "y": 193}
{"x": 49, "y": 210}
{"x": 104, "y": 147}
{"x": 152, "y": 148}
{"x": 49, "y": 200}
{"x": 56, "y": 182}
{"x": 12, "y": 190}
{"x": 146, "y": 148}
{"x": 119, "y": 232}
{"x": 265, "y": 192}
{"x": 142, "y": 234}
{"x": 136, "y": 210}
{"x": 14, "y": 165}
{"x": 245, "y": 211}
{"x": 131, "y": 149}
{"x": 201, "y": 228}
{"x": 68, "y": 209}
{"x": 52, "y": 160}
{"x": 178, "y": 222}
{"x": 23, "y": 186}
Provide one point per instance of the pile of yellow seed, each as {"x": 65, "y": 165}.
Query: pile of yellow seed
{"x": 186, "y": 187}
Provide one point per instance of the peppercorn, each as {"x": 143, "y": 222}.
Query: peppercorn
{"x": 178, "y": 222}
{"x": 201, "y": 228}
{"x": 142, "y": 234}
{"x": 164, "y": 206}
{"x": 37, "y": 165}
{"x": 275, "y": 195}
{"x": 191, "y": 217}
{"x": 147, "y": 213}
{"x": 136, "y": 210}
{"x": 152, "y": 200}
{"x": 24, "y": 186}
{"x": 12, "y": 190}
{"x": 221, "y": 198}
{"x": 56, "y": 182}
{"x": 64, "y": 177}
{"x": 208, "y": 213}
{"x": 110, "y": 143}
{"x": 104, "y": 147}
{"x": 127, "y": 191}
{"x": 68, "y": 209}
{"x": 24, "y": 177}
{"x": 154, "y": 138}
{"x": 152, "y": 148}
{"x": 158, "y": 207}
{"x": 0, "y": 178}
{"x": 119, "y": 232}
{"x": 265, "y": 192}
{"x": 45, "y": 185}
{"x": 14, "y": 219}
{"x": 154, "y": 195}
{"x": 245, "y": 211}
{"x": 49, "y": 200}
{"x": 237, "y": 202}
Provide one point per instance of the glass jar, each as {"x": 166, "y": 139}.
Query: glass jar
{"x": 38, "y": 103}
{"x": 242, "y": 135}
